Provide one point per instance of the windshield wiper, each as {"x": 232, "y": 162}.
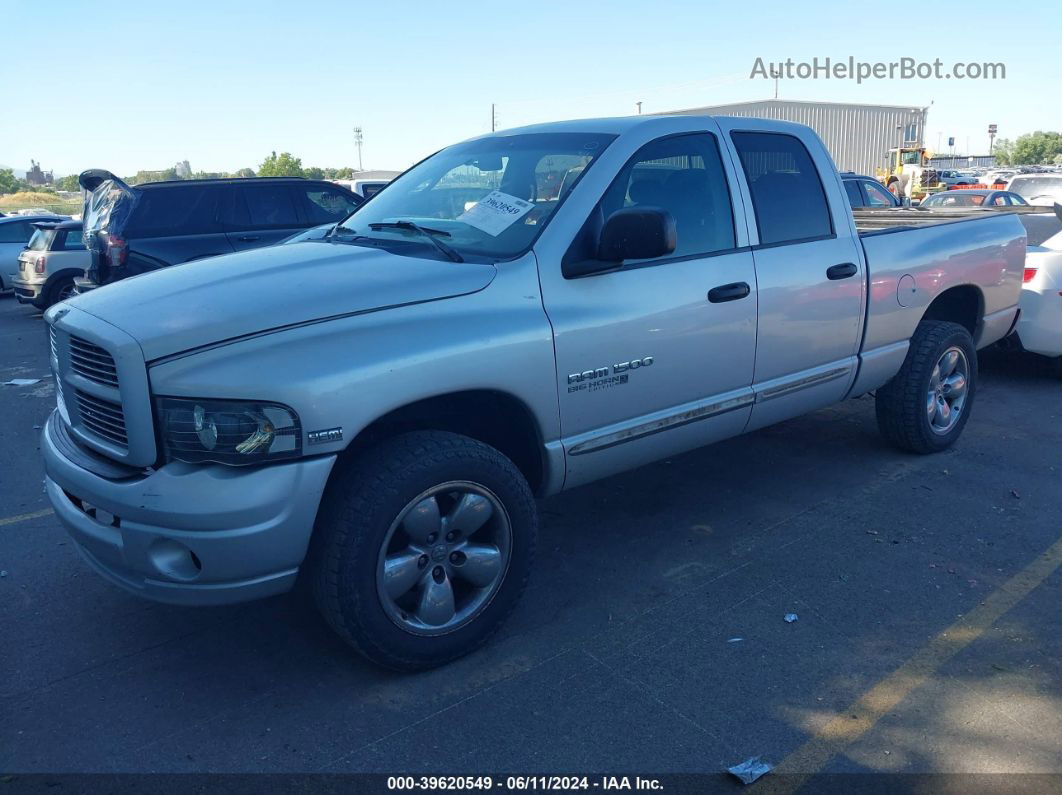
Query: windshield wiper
{"x": 428, "y": 232}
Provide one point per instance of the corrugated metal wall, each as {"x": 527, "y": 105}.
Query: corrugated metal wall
{"x": 857, "y": 136}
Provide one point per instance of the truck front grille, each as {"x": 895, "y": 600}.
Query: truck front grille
{"x": 102, "y": 417}
{"x": 92, "y": 362}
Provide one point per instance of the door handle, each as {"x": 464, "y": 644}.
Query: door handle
{"x": 249, "y": 238}
{"x": 842, "y": 271}
{"x": 729, "y": 292}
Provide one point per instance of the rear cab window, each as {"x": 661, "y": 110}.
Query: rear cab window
{"x": 787, "y": 193}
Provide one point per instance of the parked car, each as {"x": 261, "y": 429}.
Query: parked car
{"x": 377, "y": 409}
{"x": 1039, "y": 328}
{"x": 54, "y": 256}
{"x": 864, "y": 191}
{"x": 997, "y": 177}
{"x": 974, "y": 197}
{"x": 15, "y": 233}
{"x": 1043, "y": 190}
{"x": 951, "y": 177}
{"x": 145, "y": 227}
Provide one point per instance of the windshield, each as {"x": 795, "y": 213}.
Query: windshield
{"x": 42, "y": 238}
{"x": 485, "y": 199}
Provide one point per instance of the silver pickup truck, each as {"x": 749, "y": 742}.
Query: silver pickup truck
{"x": 518, "y": 314}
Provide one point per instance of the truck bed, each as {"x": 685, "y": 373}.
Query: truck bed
{"x": 892, "y": 219}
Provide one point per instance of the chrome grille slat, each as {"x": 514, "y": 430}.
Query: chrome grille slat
{"x": 101, "y": 417}
{"x": 92, "y": 362}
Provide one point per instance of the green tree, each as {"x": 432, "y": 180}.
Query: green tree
{"x": 343, "y": 173}
{"x": 1004, "y": 152}
{"x": 1036, "y": 147}
{"x": 67, "y": 183}
{"x": 313, "y": 172}
{"x": 245, "y": 172}
{"x": 283, "y": 165}
{"x": 9, "y": 183}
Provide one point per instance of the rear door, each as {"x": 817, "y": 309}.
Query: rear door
{"x": 809, "y": 270}
{"x": 262, "y": 213}
{"x": 175, "y": 224}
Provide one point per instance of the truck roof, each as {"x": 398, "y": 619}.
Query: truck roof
{"x": 617, "y": 125}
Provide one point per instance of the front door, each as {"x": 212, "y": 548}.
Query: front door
{"x": 656, "y": 357}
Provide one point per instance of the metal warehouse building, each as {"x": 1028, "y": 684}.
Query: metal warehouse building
{"x": 858, "y": 136}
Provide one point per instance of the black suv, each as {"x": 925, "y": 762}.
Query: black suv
{"x": 135, "y": 229}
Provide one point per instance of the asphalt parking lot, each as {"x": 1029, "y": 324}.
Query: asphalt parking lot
{"x": 651, "y": 638}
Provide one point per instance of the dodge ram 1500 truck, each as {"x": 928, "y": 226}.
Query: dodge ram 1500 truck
{"x": 518, "y": 314}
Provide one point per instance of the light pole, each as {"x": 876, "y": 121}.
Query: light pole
{"x": 357, "y": 143}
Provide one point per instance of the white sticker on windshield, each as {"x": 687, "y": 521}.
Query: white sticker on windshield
{"x": 496, "y": 212}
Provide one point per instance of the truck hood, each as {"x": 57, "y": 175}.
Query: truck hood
{"x": 212, "y": 300}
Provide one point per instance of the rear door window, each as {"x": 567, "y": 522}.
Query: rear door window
{"x": 175, "y": 211}
{"x": 15, "y": 232}
{"x": 323, "y": 205}
{"x": 266, "y": 206}
{"x": 787, "y": 192}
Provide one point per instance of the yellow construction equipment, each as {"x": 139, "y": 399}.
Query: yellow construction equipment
{"x": 908, "y": 174}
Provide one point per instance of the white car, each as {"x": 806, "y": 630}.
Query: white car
{"x": 1039, "y": 328}
{"x": 1043, "y": 190}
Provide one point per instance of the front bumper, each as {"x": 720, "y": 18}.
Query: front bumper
{"x": 185, "y": 534}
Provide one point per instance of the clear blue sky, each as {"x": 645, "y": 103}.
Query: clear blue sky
{"x": 128, "y": 86}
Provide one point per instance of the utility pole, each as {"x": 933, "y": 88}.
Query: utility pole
{"x": 357, "y": 143}
{"x": 992, "y": 128}
{"x": 638, "y": 105}
{"x": 493, "y": 118}
{"x": 776, "y": 88}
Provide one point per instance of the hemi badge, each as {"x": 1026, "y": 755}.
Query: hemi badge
{"x": 327, "y": 435}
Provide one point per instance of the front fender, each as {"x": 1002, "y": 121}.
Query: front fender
{"x": 347, "y": 372}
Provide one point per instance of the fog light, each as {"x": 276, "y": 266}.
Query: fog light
{"x": 174, "y": 560}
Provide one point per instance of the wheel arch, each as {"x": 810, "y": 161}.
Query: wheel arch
{"x": 493, "y": 417}
{"x": 963, "y": 304}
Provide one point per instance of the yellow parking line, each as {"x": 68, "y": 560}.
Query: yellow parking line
{"x": 26, "y": 516}
{"x": 862, "y": 715}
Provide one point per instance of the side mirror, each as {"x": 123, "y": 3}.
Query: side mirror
{"x": 630, "y": 233}
{"x": 637, "y": 233}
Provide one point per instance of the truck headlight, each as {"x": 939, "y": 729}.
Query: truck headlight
{"x": 232, "y": 432}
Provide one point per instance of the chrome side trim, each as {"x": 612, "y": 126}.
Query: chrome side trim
{"x": 801, "y": 383}
{"x": 662, "y": 424}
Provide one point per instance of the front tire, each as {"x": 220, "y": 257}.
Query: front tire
{"x": 422, "y": 548}
{"x": 926, "y": 405}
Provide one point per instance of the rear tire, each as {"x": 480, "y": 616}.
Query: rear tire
{"x": 925, "y": 406}
{"x": 381, "y": 510}
{"x": 60, "y": 291}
